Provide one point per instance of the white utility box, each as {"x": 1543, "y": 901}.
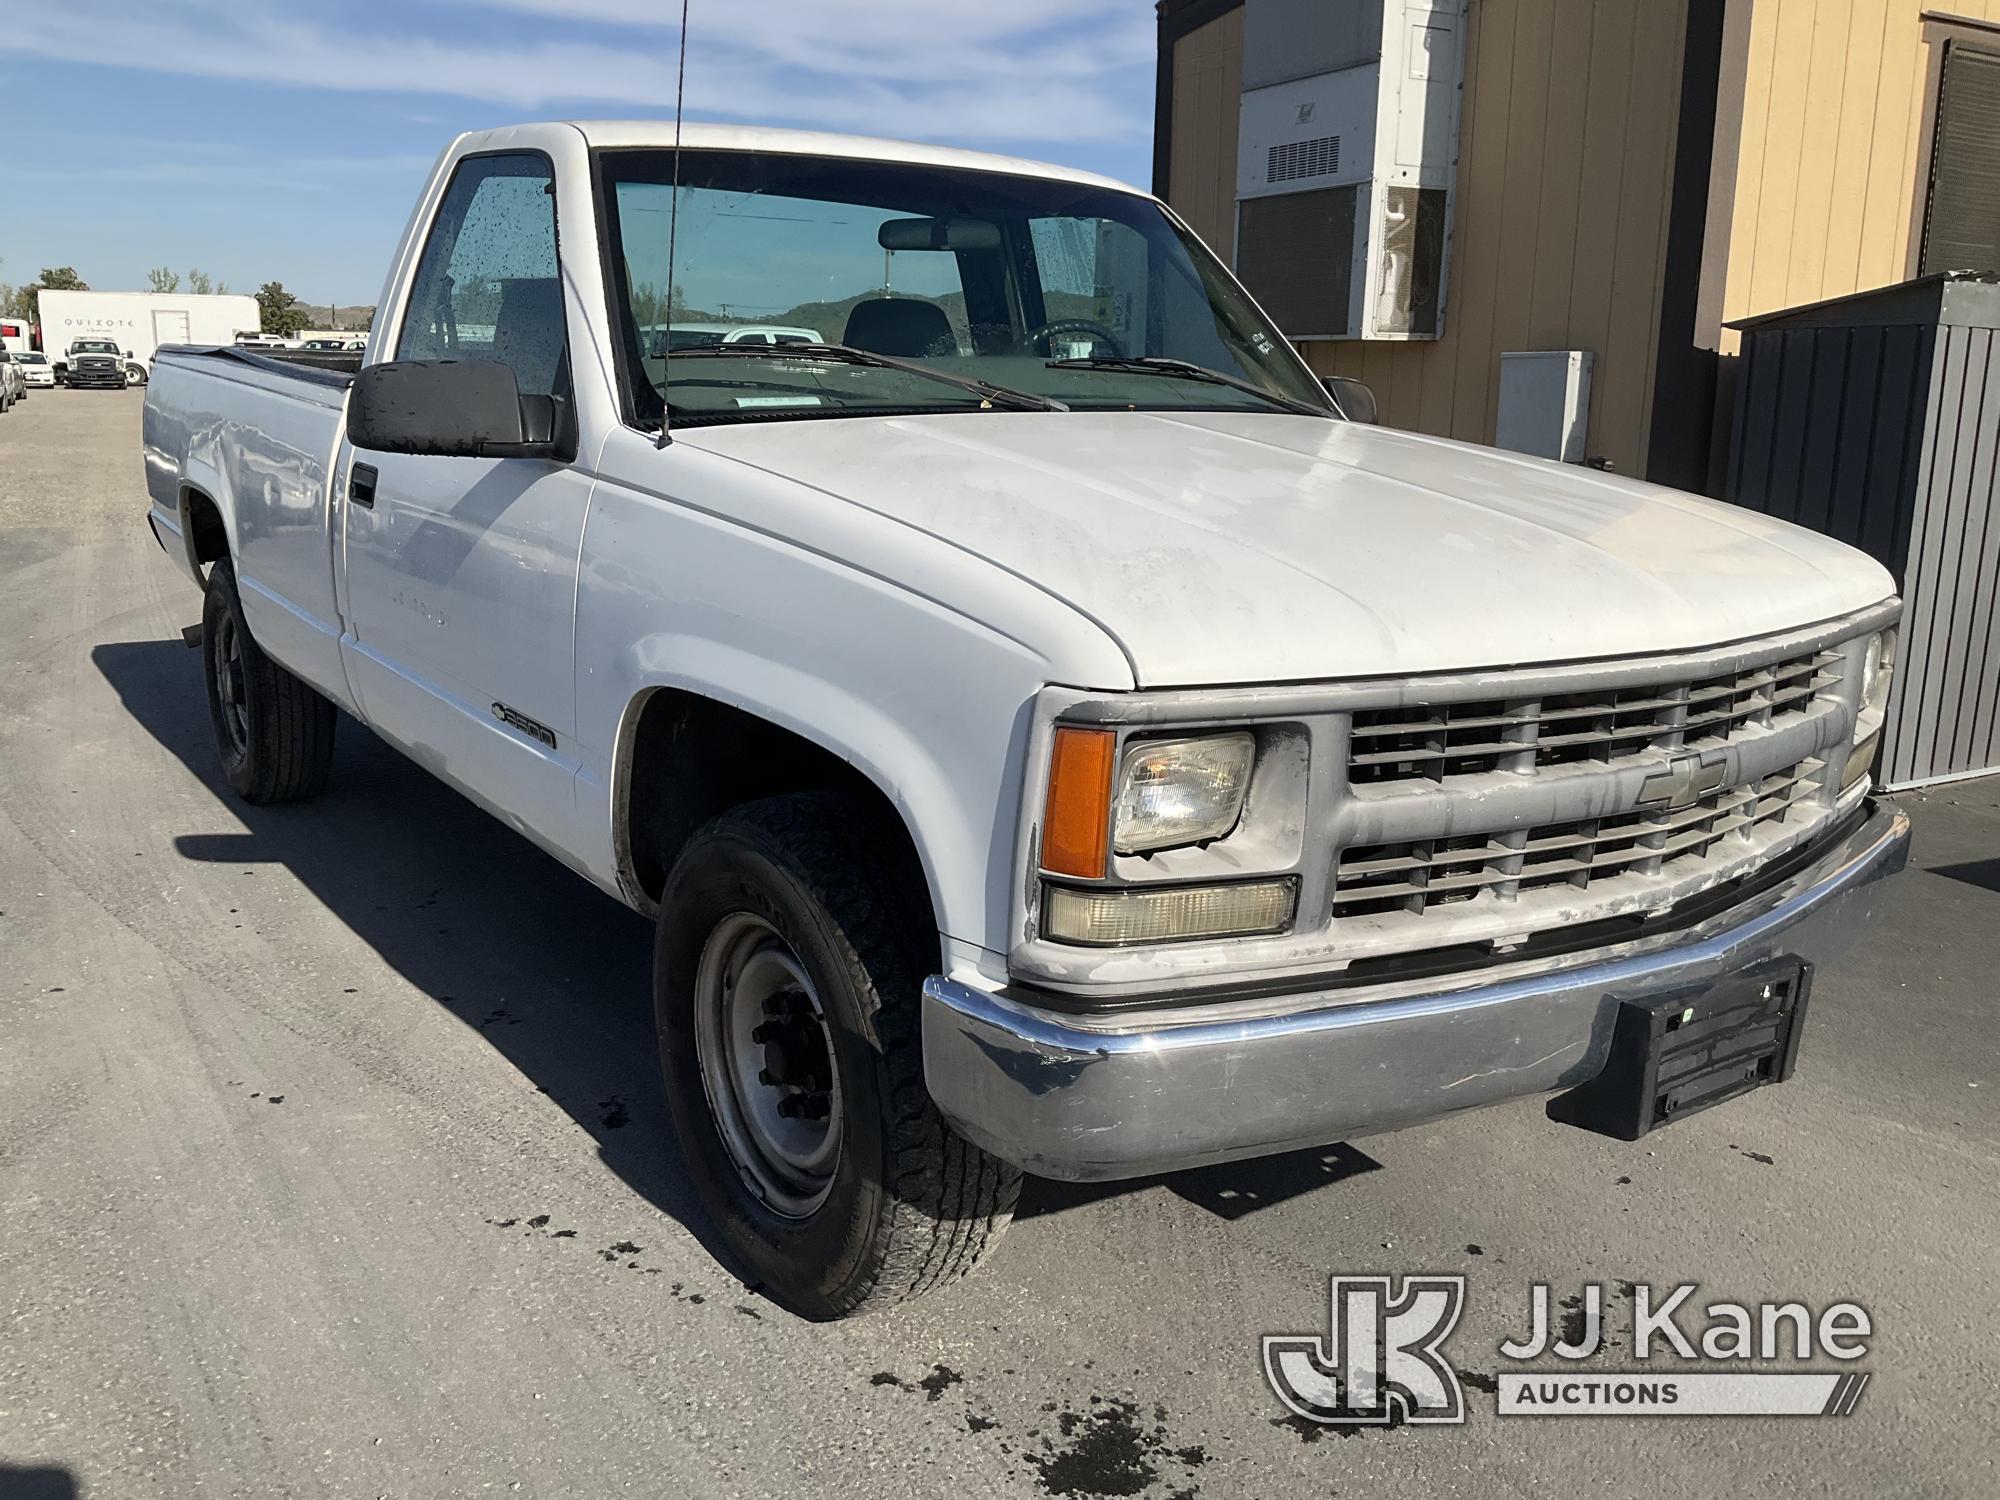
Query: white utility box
{"x": 1545, "y": 403}
{"x": 1346, "y": 161}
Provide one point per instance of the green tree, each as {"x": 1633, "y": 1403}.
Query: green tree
{"x": 280, "y": 310}
{"x": 199, "y": 282}
{"x": 26, "y": 300}
{"x": 164, "y": 280}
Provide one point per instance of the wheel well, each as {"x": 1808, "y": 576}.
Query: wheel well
{"x": 207, "y": 539}
{"x": 692, "y": 758}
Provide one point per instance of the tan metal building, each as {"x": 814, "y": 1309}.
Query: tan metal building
{"x": 1626, "y": 177}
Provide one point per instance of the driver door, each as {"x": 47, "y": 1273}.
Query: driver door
{"x": 461, "y": 573}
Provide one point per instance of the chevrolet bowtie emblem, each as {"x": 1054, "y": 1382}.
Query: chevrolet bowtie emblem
{"x": 1682, "y": 784}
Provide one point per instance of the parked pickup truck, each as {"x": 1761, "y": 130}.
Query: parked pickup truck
{"x": 95, "y": 362}
{"x": 1050, "y": 735}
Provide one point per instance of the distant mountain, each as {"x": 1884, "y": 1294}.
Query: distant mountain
{"x": 355, "y": 318}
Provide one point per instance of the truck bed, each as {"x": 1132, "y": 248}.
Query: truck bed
{"x": 344, "y": 364}
{"x": 258, "y": 437}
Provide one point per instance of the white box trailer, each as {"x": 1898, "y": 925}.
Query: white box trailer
{"x": 139, "y": 322}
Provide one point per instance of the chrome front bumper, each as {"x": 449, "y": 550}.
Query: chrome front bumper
{"x": 1128, "y": 1093}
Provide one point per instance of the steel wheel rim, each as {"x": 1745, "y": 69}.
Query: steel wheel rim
{"x": 768, "y": 1065}
{"x": 230, "y": 695}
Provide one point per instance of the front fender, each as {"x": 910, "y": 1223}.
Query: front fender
{"x": 914, "y": 661}
{"x": 951, "y": 771}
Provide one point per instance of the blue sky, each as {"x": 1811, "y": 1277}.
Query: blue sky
{"x": 286, "y": 139}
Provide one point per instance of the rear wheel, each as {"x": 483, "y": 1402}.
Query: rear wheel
{"x": 792, "y": 948}
{"x": 275, "y": 734}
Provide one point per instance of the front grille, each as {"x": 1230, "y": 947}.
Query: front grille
{"x": 1430, "y": 745}
{"x": 1592, "y": 854}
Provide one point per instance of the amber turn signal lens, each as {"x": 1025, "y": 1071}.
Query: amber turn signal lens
{"x": 1076, "y": 819}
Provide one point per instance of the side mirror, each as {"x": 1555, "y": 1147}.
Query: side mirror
{"x": 1355, "y": 401}
{"x": 448, "y": 408}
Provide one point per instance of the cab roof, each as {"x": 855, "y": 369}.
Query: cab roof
{"x": 695, "y": 136}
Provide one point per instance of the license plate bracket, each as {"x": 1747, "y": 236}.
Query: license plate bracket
{"x": 1683, "y": 1051}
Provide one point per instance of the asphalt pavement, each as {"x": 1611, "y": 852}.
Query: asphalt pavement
{"x": 334, "y": 1162}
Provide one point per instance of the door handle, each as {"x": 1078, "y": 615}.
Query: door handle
{"x": 361, "y": 485}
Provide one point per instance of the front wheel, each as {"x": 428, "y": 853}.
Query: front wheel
{"x": 792, "y": 947}
{"x": 275, "y": 733}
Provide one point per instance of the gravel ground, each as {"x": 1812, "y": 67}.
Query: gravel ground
{"x": 333, "y": 1161}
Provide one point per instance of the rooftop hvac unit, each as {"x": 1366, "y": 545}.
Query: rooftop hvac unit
{"x": 1347, "y": 155}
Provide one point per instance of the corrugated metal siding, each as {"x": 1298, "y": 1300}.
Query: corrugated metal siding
{"x": 1833, "y": 114}
{"x": 1566, "y": 152}
{"x": 1944, "y": 722}
{"x": 1208, "y": 104}
{"x": 1884, "y": 431}
{"x": 1566, "y": 155}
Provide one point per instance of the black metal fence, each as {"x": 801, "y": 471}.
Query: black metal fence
{"x": 1875, "y": 418}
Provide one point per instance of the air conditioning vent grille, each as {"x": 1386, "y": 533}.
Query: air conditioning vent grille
{"x": 1297, "y": 160}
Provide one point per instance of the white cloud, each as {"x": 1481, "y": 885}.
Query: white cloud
{"x": 1032, "y": 71}
{"x": 154, "y": 162}
{"x": 914, "y": 41}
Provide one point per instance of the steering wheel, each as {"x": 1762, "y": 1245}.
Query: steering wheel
{"x": 1038, "y": 340}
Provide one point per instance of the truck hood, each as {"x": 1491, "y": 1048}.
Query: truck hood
{"x": 1242, "y": 548}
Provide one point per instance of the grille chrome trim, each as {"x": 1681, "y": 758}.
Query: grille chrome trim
{"x": 1398, "y": 746}
{"x": 1309, "y": 724}
{"x": 1419, "y": 876}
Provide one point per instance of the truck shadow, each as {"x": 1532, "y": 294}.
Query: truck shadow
{"x": 37, "y": 1483}
{"x": 551, "y": 972}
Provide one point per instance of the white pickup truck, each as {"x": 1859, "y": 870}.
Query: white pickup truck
{"x": 1050, "y": 734}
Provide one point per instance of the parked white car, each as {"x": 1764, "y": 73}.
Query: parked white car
{"x": 35, "y": 368}
{"x": 13, "y": 383}
{"x": 1048, "y": 736}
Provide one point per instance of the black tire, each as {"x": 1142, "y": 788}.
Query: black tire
{"x": 910, "y": 1204}
{"x": 274, "y": 733}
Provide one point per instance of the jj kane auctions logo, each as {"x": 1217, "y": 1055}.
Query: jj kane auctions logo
{"x": 1382, "y": 1361}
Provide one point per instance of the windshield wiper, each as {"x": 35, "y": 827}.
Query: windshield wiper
{"x": 1181, "y": 369}
{"x": 847, "y": 354}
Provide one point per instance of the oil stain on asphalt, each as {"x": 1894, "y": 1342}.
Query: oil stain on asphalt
{"x": 1107, "y": 1448}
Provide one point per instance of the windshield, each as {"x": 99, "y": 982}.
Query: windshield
{"x": 93, "y": 346}
{"x": 981, "y": 275}
{"x": 31, "y": 359}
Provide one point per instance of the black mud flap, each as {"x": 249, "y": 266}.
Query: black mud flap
{"x": 1676, "y": 1054}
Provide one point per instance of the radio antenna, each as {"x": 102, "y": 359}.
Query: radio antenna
{"x": 673, "y": 225}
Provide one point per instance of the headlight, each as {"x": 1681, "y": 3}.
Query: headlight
{"x": 1175, "y": 792}
{"x": 1876, "y": 664}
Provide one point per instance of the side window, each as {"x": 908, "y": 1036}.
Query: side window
{"x": 487, "y": 285}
